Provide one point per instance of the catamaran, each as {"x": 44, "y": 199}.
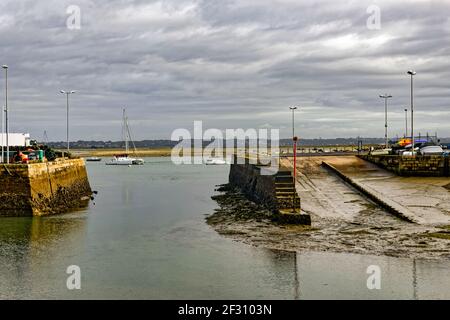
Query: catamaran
{"x": 124, "y": 158}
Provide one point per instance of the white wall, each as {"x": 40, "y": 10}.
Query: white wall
{"x": 15, "y": 139}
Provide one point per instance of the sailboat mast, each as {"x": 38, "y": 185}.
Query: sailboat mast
{"x": 124, "y": 131}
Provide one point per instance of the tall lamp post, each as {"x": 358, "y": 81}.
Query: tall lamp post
{"x": 294, "y": 141}
{"x": 406, "y": 122}
{"x": 385, "y": 97}
{"x": 412, "y": 73}
{"x": 67, "y": 93}
{"x": 5, "y": 67}
{"x": 3, "y": 134}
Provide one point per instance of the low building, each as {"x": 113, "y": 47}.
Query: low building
{"x": 15, "y": 139}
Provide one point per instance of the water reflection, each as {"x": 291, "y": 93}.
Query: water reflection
{"x": 35, "y": 252}
{"x": 126, "y": 196}
{"x": 285, "y": 263}
{"x": 414, "y": 280}
{"x": 327, "y": 275}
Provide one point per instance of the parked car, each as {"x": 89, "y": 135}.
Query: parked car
{"x": 428, "y": 148}
{"x": 408, "y": 153}
{"x": 407, "y": 150}
{"x": 431, "y": 150}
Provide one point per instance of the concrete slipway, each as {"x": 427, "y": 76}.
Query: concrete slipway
{"x": 423, "y": 200}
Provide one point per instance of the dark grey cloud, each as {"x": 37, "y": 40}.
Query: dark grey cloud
{"x": 230, "y": 63}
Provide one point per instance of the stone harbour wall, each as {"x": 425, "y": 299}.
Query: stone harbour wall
{"x": 276, "y": 192}
{"x": 39, "y": 189}
{"x": 425, "y": 166}
{"x": 259, "y": 188}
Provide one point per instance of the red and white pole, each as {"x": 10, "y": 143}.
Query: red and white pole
{"x": 294, "y": 191}
{"x": 295, "y": 157}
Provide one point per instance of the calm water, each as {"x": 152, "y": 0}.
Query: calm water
{"x": 145, "y": 237}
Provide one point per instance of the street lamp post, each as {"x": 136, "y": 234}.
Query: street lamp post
{"x": 385, "y": 97}
{"x": 294, "y": 141}
{"x": 406, "y": 122}
{"x": 412, "y": 73}
{"x": 5, "y": 67}
{"x": 67, "y": 93}
{"x": 294, "y": 151}
{"x": 3, "y": 133}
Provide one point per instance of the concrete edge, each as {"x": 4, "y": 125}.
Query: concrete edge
{"x": 390, "y": 207}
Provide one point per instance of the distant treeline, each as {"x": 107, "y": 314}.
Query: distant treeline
{"x": 81, "y": 144}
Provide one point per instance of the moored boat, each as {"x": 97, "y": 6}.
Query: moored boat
{"x": 125, "y": 159}
{"x": 93, "y": 159}
{"x": 215, "y": 162}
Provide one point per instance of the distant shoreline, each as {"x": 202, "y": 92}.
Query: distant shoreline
{"x": 166, "y": 151}
{"x": 144, "y": 152}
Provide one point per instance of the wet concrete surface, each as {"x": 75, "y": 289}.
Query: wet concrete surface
{"x": 343, "y": 220}
{"x": 426, "y": 199}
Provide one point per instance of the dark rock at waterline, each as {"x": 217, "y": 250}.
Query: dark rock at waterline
{"x": 223, "y": 187}
{"x": 233, "y": 204}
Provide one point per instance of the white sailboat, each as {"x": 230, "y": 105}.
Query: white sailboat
{"x": 125, "y": 159}
{"x": 215, "y": 161}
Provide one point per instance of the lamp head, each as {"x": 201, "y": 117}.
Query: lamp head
{"x": 412, "y": 72}
{"x": 4, "y": 66}
{"x": 62, "y": 91}
{"x": 293, "y": 108}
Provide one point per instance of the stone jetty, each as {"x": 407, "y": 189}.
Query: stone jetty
{"x": 38, "y": 189}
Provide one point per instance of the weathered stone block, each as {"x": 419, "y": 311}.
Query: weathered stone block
{"x": 38, "y": 189}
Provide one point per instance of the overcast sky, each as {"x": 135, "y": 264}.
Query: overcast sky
{"x": 229, "y": 63}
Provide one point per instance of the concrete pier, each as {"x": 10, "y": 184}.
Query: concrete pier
{"x": 422, "y": 200}
{"x": 386, "y": 203}
{"x": 38, "y": 189}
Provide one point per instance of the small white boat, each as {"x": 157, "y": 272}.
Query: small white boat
{"x": 381, "y": 151}
{"x": 215, "y": 162}
{"x": 124, "y": 159}
{"x": 93, "y": 159}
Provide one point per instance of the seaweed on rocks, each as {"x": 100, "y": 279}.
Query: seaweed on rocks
{"x": 233, "y": 204}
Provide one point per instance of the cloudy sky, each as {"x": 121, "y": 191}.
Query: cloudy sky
{"x": 229, "y": 63}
